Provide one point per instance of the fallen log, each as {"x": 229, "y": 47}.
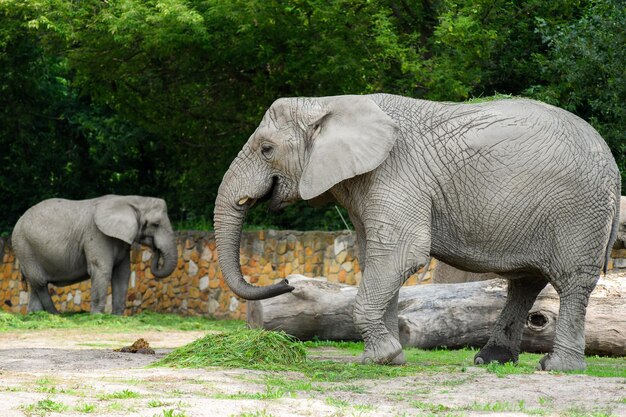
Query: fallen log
{"x": 443, "y": 315}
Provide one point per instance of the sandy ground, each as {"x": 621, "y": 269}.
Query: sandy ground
{"x": 79, "y": 371}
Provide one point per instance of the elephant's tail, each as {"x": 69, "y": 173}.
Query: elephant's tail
{"x": 614, "y": 230}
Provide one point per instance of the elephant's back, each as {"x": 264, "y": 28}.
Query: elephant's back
{"x": 539, "y": 126}
{"x": 50, "y": 228}
{"x": 522, "y": 171}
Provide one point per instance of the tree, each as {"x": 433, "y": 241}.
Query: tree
{"x": 585, "y": 71}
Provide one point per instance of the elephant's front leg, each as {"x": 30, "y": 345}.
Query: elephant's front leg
{"x": 375, "y": 310}
{"x": 391, "y": 323}
{"x": 119, "y": 285}
{"x": 100, "y": 272}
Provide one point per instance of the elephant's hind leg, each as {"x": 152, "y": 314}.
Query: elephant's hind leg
{"x": 504, "y": 344}
{"x": 39, "y": 298}
{"x": 44, "y": 296}
{"x": 33, "y": 301}
{"x": 569, "y": 343}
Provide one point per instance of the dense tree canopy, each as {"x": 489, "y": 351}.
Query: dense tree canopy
{"x": 156, "y": 97}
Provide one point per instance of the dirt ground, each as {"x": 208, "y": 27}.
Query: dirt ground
{"x": 76, "y": 373}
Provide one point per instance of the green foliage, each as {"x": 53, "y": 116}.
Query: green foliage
{"x": 585, "y": 69}
{"x": 157, "y": 97}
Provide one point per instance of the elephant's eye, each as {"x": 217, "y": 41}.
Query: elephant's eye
{"x": 155, "y": 224}
{"x": 267, "y": 150}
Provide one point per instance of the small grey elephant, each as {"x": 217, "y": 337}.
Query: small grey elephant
{"x": 515, "y": 187}
{"x": 63, "y": 242}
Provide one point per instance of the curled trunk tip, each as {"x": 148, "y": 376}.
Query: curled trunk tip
{"x": 169, "y": 263}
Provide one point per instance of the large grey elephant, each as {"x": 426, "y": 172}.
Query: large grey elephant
{"x": 515, "y": 187}
{"x": 63, "y": 242}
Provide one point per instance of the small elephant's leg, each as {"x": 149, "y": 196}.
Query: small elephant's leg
{"x": 568, "y": 353}
{"x": 100, "y": 281}
{"x": 33, "y": 301}
{"x": 39, "y": 298}
{"x": 504, "y": 344}
{"x": 44, "y": 296}
{"x": 119, "y": 285}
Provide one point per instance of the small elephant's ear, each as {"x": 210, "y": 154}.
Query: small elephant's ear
{"x": 354, "y": 136}
{"x": 116, "y": 217}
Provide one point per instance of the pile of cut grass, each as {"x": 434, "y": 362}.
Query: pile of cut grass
{"x": 245, "y": 348}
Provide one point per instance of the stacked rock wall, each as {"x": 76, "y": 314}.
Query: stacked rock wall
{"x": 197, "y": 288}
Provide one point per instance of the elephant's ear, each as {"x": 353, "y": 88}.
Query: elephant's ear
{"x": 117, "y": 218}
{"x": 351, "y": 137}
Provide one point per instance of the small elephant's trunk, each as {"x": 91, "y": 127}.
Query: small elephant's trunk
{"x": 164, "y": 259}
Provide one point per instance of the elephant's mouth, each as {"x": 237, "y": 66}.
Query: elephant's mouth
{"x": 273, "y": 197}
{"x": 275, "y": 202}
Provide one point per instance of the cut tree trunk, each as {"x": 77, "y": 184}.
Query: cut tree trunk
{"x": 438, "y": 315}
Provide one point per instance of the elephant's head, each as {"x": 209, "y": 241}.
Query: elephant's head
{"x": 301, "y": 149}
{"x": 143, "y": 220}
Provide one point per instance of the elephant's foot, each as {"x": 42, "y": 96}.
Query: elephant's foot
{"x": 494, "y": 353}
{"x": 398, "y": 360}
{"x": 558, "y": 362}
{"x": 386, "y": 351}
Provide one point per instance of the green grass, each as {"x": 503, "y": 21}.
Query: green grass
{"x": 497, "y": 406}
{"x": 257, "y": 413}
{"x": 171, "y": 413}
{"x": 502, "y": 370}
{"x": 585, "y": 412}
{"x": 120, "y": 395}
{"x": 236, "y": 346}
{"x": 44, "y": 407}
{"x": 245, "y": 348}
{"x": 596, "y": 366}
{"x": 85, "y": 408}
{"x": 336, "y": 402}
{"x": 270, "y": 393}
{"x": 156, "y": 403}
{"x": 145, "y": 320}
{"x": 275, "y": 351}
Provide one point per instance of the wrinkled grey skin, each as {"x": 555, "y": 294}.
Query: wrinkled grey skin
{"x": 446, "y": 274}
{"x": 515, "y": 187}
{"x": 621, "y": 232}
{"x": 63, "y": 242}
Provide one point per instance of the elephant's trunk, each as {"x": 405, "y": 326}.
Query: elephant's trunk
{"x": 230, "y": 211}
{"x": 166, "y": 251}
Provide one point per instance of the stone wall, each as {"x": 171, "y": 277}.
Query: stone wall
{"x": 196, "y": 287}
